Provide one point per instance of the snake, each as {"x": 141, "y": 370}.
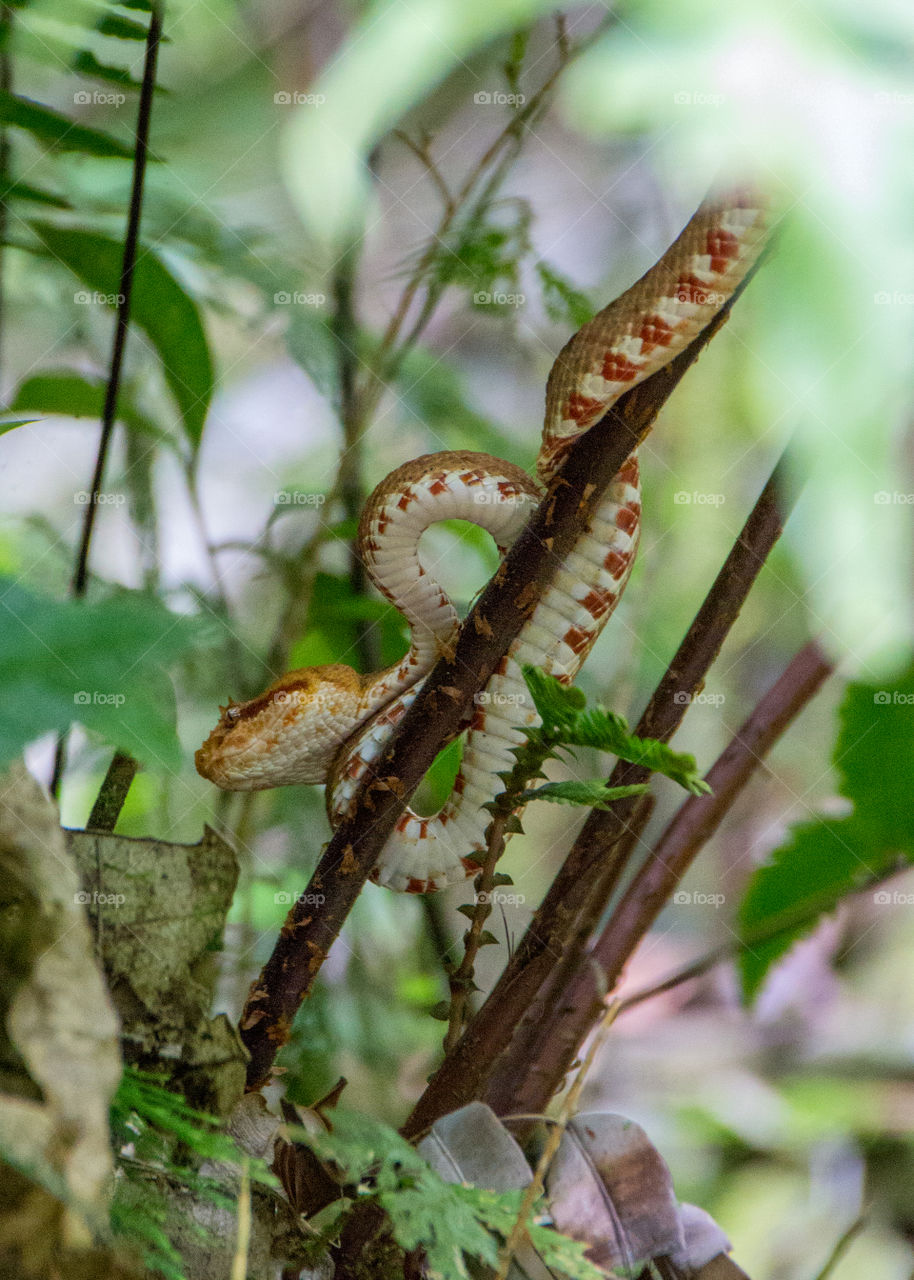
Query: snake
{"x": 328, "y": 724}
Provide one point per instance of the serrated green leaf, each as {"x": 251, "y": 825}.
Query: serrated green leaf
{"x": 468, "y": 909}
{"x": 487, "y": 939}
{"x": 562, "y": 1254}
{"x": 555, "y": 702}
{"x": 448, "y": 1221}
{"x": 58, "y": 130}
{"x": 160, "y": 306}
{"x": 824, "y": 860}
{"x": 594, "y": 795}
{"x": 100, "y": 663}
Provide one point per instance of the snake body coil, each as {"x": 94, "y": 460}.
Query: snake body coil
{"x": 327, "y": 724}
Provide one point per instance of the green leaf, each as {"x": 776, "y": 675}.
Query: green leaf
{"x": 50, "y": 51}
{"x": 564, "y": 303}
{"x": 557, "y": 703}
{"x": 113, "y": 24}
{"x": 58, "y": 130}
{"x": 85, "y": 63}
{"x": 448, "y": 1221}
{"x": 566, "y": 723}
{"x": 594, "y": 795}
{"x": 159, "y": 306}
{"x": 824, "y": 860}
{"x": 10, "y": 423}
{"x": 98, "y": 663}
{"x": 311, "y": 345}
{"x": 559, "y": 1253}
{"x": 60, "y": 391}
{"x": 11, "y": 190}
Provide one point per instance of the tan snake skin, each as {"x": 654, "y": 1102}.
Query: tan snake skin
{"x": 327, "y": 724}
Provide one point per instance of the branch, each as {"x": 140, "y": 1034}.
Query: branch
{"x": 445, "y": 705}
{"x": 567, "y": 1022}
{"x": 80, "y": 578}
{"x": 463, "y": 1074}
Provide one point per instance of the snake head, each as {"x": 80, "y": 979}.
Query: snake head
{"x": 287, "y": 735}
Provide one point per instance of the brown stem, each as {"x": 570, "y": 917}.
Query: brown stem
{"x": 580, "y": 1002}
{"x": 345, "y": 328}
{"x": 113, "y": 793}
{"x": 522, "y": 1054}
{"x": 464, "y": 1073}
{"x": 463, "y": 974}
{"x": 445, "y": 706}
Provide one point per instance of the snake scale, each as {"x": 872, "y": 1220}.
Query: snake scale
{"x": 327, "y": 724}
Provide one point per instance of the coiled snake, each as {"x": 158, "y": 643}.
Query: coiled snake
{"x": 327, "y": 724}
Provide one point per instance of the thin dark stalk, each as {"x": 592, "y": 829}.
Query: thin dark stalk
{"x": 80, "y": 578}
{"x": 113, "y": 793}
{"x": 351, "y": 485}
{"x": 6, "y": 85}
